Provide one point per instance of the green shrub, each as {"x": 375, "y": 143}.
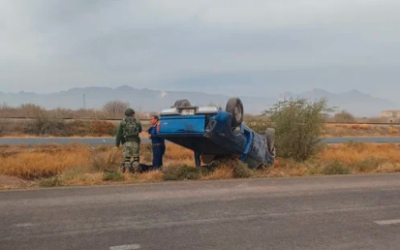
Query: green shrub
{"x": 368, "y": 165}
{"x": 298, "y": 125}
{"x": 113, "y": 176}
{"x": 73, "y": 173}
{"x": 50, "y": 182}
{"x": 241, "y": 170}
{"x": 182, "y": 172}
{"x": 335, "y": 168}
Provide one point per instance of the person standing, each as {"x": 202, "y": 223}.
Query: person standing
{"x": 128, "y": 134}
{"x": 158, "y": 144}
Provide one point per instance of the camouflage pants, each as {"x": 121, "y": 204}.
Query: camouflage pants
{"x": 131, "y": 149}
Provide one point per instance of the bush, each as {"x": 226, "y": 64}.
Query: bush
{"x": 344, "y": 116}
{"x": 79, "y": 128}
{"x": 114, "y": 176}
{"x": 50, "y": 182}
{"x": 368, "y": 165}
{"x": 31, "y": 110}
{"x": 182, "y": 172}
{"x": 45, "y": 124}
{"x": 335, "y": 168}
{"x": 239, "y": 168}
{"x": 100, "y": 128}
{"x": 298, "y": 125}
{"x": 115, "y": 108}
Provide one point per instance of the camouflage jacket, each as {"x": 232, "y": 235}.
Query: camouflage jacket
{"x": 120, "y": 138}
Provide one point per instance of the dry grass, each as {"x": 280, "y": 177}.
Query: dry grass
{"x": 54, "y": 165}
{"x": 31, "y": 111}
{"x": 388, "y": 167}
{"x": 152, "y": 176}
{"x": 44, "y": 161}
{"x": 177, "y": 152}
{"x": 360, "y": 130}
{"x": 223, "y": 172}
{"x": 352, "y": 153}
{"x": 341, "y": 159}
{"x": 360, "y": 126}
{"x": 52, "y": 126}
{"x": 393, "y": 131}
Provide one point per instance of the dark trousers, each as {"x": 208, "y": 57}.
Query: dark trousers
{"x": 158, "y": 153}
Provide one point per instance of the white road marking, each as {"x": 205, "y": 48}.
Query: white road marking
{"x": 387, "y": 222}
{"x": 126, "y": 247}
{"x": 24, "y": 225}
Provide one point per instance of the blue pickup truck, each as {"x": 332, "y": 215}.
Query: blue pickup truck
{"x": 213, "y": 133}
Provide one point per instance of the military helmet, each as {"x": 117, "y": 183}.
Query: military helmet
{"x": 129, "y": 112}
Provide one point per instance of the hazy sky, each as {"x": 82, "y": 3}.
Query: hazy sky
{"x": 255, "y": 46}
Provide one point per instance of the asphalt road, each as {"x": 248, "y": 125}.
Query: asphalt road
{"x": 111, "y": 141}
{"x": 346, "y": 213}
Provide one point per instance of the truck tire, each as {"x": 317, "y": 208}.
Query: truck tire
{"x": 182, "y": 103}
{"x": 235, "y": 108}
{"x": 270, "y": 138}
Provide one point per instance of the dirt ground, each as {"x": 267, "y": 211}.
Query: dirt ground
{"x": 10, "y": 182}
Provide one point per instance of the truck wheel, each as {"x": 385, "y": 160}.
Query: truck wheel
{"x": 235, "y": 108}
{"x": 270, "y": 137}
{"x": 182, "y": 103}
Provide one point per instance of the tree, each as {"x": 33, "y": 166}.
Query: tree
{"x": 344, "y": 116}
{"x": 115, "y": 108}
{"x": 298, "y": 125}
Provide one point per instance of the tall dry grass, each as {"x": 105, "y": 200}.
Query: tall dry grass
{"x": 358, "y": 152}
{"x": 83, "y": 165}
{"x": 45, "y": 161}
{"x": 359, "y": 130}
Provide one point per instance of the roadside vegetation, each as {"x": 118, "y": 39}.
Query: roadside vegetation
{"x": 298, "y": 125}
{"x": 57, "y": 165}
{"x": 110, "y": 110}
{"x": 93, "y": 123}
{"x": 62, "y": 122}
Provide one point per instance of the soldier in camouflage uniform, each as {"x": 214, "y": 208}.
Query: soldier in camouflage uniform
{"x": 128, "y": 134}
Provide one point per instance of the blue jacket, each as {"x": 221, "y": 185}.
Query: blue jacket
{"x": 154, "y": 137}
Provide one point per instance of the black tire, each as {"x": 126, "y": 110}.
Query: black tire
{"x": 182, "y": 103}
{"x": 235, "y": 108}
{"x": 270, "y": 137}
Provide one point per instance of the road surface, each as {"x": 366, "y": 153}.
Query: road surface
{"x": 111, "y": 141}
{"x": 347, "y": 213}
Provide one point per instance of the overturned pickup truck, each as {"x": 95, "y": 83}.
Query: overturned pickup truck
{"x": 213, "y": 133}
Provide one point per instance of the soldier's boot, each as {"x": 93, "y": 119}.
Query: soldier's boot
{"x": 131, "y": 169}
{"x": 127, "y": 164}
{"x": 136, "y": 164}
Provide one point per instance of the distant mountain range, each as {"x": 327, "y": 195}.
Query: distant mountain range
{"x": 147, "y": 100}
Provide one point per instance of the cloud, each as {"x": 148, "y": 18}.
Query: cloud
{"x": 53, "y": 45}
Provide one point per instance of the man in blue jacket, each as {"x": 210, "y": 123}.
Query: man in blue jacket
{"x": 158, "y": 144}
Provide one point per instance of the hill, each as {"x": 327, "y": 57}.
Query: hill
{"x": 148, "y": 100}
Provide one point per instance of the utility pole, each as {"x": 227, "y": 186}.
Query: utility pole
{"x": 84, "y": 101}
